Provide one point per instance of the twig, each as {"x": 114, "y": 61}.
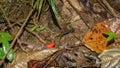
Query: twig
{"x": 18, "y": 34}
{"x": 39, "y": 38}
{"x": 18, "y": 23}
{"x": 110, "y": 8}
{"x": 20, "y": 44}
{"x": 5, "y": 16}
{"x": 103, "y": 5}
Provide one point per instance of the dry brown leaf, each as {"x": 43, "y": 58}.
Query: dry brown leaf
{"x": 94, "y": 38}
{"x": 21, "y": 58}
{"x": 73, "y": 57}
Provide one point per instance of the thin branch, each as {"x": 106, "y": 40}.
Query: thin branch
{"x": 103, "y": 5}
{"x": 20, "y": 44}
{"x": 39, "y": 38}
{"x": 110, "y": 8}
{"x": 27, "y": 29}
{"x": 5, "y": 16}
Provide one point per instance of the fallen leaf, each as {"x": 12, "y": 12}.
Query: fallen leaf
{"x": 94, "y": 38}
{"x": 21, "y": 58}
{"x": 74, "y": 57}
{"x": 35, "y": 64}
{"x": 110, "y": 58}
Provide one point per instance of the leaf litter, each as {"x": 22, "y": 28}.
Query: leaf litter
{"x": 70, "y": 56}
{"x": 21, "y": 58}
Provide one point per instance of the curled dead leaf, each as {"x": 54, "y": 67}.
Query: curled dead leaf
{"x": 21, "y": 58}
{"x": 110, "y": 58}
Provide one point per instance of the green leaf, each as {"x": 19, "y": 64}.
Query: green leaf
{"x": 4, "y": 39}
{"x": 10, "y": 55}
{"x": 110, "y": 37}
{"x": 53, "y": 6}
{"x": 37, "y": 28}
{"x": 1, "y": 53}
{"x": 40, "y": 28}
{"x": 39, "y": 5}
{"x": 5, "y": 35}
{"x": 34, "y": 27}
{"x": 6, "y": 46}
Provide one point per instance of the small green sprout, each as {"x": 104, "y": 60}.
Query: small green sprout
{"x": 36, "y": 28}
{"x": 110, "y": 35}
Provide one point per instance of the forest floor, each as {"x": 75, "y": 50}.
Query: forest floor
{"x": 40, "y": 42}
